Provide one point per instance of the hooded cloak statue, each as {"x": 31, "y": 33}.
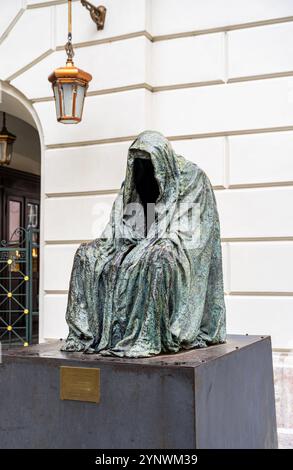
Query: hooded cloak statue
{"x": 140, "y": 291}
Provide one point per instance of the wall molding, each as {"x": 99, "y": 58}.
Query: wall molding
{"x": 154, "y": 89}
{"x": 137, "y": 86}
{"x": 256, "y": 239}
{"x": 119, "y": 37}
{"x": 261, "y": 294}
{"x": 180, "y": 86}
{"x": 223, "y": 240}
{"x": 282, "y": 350}
{"x": 86, "y": 143}
{"x": 105, "y": 192}
{"x": 11, "y": 25}
{"x": 55, "y": 292}
{"x": 101, "y": 192}
{"x": 250, "y": 294}
{"x": 66, "y": 242}
{"x": 264, "y": 76}
{"x": 32, "y": 6}
{"x": 29, "y": 66}
{"x": 152, "y": 38}
{"x": 272, "y": 184}
{"x": 170, "y": 36}
{"x": 222, "y": 29}
{"x": 205, "y": 135}
{"x": 105, "y": 91}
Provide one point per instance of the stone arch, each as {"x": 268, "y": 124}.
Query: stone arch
{"x": 16, "y": 104}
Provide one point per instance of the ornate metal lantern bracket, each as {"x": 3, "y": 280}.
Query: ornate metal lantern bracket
{"x": 98, "y": 14}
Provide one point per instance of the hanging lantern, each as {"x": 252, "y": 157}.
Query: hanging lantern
{"x": 69, "y": 84}
{"x": 6, "y": 144}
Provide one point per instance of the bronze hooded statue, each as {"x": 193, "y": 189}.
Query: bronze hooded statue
{"x": 152, "y": 283}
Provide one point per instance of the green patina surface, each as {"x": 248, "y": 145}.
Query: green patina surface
{"x": 137, "y": 296}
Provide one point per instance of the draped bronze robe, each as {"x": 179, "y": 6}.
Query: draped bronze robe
{"x": 135, "y": 295}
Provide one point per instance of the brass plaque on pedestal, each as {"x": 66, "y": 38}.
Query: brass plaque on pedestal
{"x": 80, "y": 383}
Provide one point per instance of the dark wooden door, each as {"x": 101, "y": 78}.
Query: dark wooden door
{"x": 20, "y": 209}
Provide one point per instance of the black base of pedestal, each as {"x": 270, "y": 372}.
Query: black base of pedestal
{"x": 219, "y": 397}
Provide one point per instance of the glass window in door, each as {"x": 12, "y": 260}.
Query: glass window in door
{"x": 32, "y": 215}
{"x": 14, "y": 211}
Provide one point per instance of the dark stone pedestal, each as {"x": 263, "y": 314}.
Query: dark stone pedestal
{"x": 219, "y": 397}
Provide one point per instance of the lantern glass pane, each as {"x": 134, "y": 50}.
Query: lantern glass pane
{"x": 9, "y": 152}
{"x": 57, "y": 100}
{"x": 67, "y": 91}
{"x": 79, "y": 101}
{"x": 2, "y": 152}
{"x": 14, "y": 215}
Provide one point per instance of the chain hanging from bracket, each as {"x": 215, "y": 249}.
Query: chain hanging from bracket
{"x": 68, "y": 46}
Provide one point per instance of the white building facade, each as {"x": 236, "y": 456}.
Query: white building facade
{"x": 216, "y": 78}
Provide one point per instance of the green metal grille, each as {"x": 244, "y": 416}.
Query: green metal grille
{"x": 16, "y": 287}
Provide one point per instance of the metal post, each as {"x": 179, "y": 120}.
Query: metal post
{"x": 29, "y": 286}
